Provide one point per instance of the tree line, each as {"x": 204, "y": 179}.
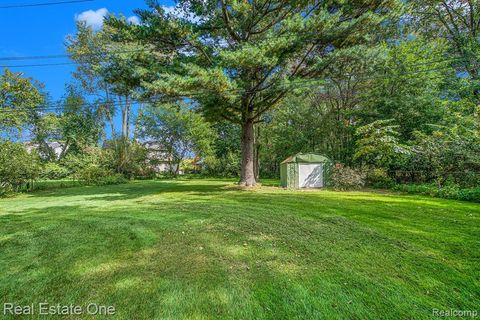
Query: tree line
{"x": 388, "y": 87}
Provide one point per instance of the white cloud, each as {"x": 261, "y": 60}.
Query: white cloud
{"x": 93, "y": 19}
{"x": 134, "y": 20}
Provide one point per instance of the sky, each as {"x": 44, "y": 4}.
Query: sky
{"x": 42, "y": 30}
{"x": 34, "y": 31}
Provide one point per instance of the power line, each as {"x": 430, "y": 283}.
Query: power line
{"x": 186, "y": 42}
{"x": 60, "y": 56}
{"x": 44, "y": 4}
{"x": 450, "y": 59}
{"x": 39, "y": 65}
{"x": 301, "y": 83}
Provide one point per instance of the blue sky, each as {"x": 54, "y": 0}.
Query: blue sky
{"x": 42, "y": 30}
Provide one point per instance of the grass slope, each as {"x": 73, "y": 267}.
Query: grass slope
{"x": 203, "y": 249}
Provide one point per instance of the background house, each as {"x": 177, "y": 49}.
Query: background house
{"x": 50, "y": 149}
{"x": 159, "y": 159}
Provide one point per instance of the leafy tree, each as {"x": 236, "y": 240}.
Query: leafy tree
{"x": 127, "y": 158}
{"x": 225, "y": 157}
{"x": 447, "y": 152}
{"x": 20, "y": 98}
{"x": 179, "y": 130}
{"x": 109, "y": 70}
{"x": 407, "y": 86}
{"x": 246, "y": 55}
{"x": 379, "y": 145}
{"x": 45, "y": 128}
{"x": 458, "y": 21}
{"x": 79, "y": 124}
{"x": 18, "y": 168}
{"x": 323, "y": 119}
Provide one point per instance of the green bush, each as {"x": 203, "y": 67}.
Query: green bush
{"x": 54, "y": 171}
{"x": 345, "y": 178}
{"x": 426, "y": 189}
{"x": 96, "y": 175}
{"x": 226, "y": 166}
{"x": 76, "y": 163}
{"x": 55, "y": 184}
{"x": 472, "y": 194}
{"x": 447, "y": 192}
{"x": 18, "y": 168}
{"x": 4, "y": 191}
{"x": 126, "y": 157}
{"x": 469, "y": 179}
{"x": 93, "y": 174}
{"x": 116, "y": 178}
{"x": 378, "y": 178}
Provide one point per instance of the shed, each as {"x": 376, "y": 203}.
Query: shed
{"x": 305, "y": 170}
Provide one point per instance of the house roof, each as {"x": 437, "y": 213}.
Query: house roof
{"x": 51, "y": 144}
{"x": 307, "y": 158}
{"x": 153, "y": 145}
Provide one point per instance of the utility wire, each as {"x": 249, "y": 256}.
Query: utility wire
{"x": 39, "y": 65}
{"x": 450, "y": 59}
{"x": 295, "y": 84}
{"x": 301, "y": 83}
{"x": 44, "y": 4}
{"x": 59, "y": 56}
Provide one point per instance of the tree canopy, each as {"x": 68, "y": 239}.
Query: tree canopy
{"x": 245, "y": 55}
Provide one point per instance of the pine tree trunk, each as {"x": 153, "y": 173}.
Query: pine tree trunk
{"x": 256, "y": 165}
{"x": 247, "y": 174}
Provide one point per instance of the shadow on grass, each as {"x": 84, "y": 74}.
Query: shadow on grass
{"x": 183, "y": 260}
{"x": 136, "y": 189}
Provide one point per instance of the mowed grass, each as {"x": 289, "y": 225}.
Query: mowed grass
{"x": 204, "y": 249}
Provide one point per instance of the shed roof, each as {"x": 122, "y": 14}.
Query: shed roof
{"x": 307, "y": 158}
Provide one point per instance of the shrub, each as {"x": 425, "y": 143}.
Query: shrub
{"x": 54, "y": 171}
{"x": 427, "y": 189}
{"x": 77, "y": 163}
{"x": 472, "y": 194}
{"x": 55, "y": 184}
{"x": 126, "y": 157}
{"x": 225, "y": 166}
{"x": 93, "y": 174}
{"x": 468, "y": 179}
{"x": 116, "y": 178}
{"x": 96, "y": 175}
{"x": 345, "y": 178}
{"x": 448, "y": 192}
{"x": 4, "y": 191}
{"x": 18, "y": 168}
{"x": 378, "y": 178}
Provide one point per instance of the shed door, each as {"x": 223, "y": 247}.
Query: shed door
{"x": 310, "y": 175}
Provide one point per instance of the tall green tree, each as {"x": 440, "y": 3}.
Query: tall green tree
{"x": 239, "y": 59}
{"x": 80, "y": 124}
{"x": 407, "y": 85}
{"x": 20, "y": 99}
{"x": 109, "y": 70}
{"x": 178, "y": 130}
{"x": 225, "y": 157}
{"x": 378, "y": 144}
{"x": 457, "y": 21}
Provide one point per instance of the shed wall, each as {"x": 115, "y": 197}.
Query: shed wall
{"x": 283, "y": 175}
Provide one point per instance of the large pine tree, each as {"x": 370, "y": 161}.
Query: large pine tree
{"x": 238, "y": 59}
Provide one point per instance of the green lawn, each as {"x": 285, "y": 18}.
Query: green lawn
{"x": 203, "y": 249}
